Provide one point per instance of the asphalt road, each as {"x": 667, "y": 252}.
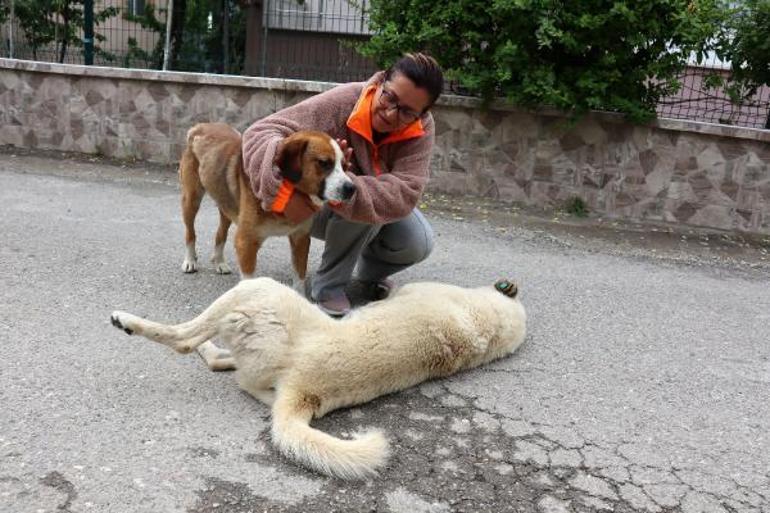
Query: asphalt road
{"x": 644, "y": 383}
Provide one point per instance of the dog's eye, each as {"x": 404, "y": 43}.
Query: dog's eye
{"x": 326, "y": 164}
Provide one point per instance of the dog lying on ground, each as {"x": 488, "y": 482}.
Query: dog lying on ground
{"x": 212, "y": 163}
{"x": 293, "y": 357}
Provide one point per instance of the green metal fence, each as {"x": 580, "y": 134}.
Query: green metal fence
{"x": 310, "y": 39}
{"x": 302, "y": 39}
{"x": 49, "y": 31}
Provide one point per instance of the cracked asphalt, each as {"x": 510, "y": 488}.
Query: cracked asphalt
{"x": 643, "y": 386}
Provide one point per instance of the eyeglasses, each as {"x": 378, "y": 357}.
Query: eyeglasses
{"x": 389, "y": 101}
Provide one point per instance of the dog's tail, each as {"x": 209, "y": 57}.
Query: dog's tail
{"x": 188, "y": 163}
{"x": 358, "y": 458}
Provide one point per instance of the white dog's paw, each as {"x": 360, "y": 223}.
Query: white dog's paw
{"x": 189, "y": 265}
{"x": 122, "y": 321}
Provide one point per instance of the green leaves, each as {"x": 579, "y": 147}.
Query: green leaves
{"x": 749, "y": 48}
{"x": 57, "y": 21}
{"x": 595, "y": 54}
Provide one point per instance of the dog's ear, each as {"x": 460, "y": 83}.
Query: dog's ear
{"x": 289, "y": 159}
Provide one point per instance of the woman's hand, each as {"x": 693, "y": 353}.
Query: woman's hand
{"x": 347, "y": 154}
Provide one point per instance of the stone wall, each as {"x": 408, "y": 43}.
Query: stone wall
{"x": 701, "y": 174}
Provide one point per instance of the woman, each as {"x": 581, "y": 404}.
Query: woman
{"x": 387, "y": 132}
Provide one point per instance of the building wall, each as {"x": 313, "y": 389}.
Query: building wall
{"x": 701, "y": 174}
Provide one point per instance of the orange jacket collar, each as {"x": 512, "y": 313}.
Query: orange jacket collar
{"x": 360, "y": 121}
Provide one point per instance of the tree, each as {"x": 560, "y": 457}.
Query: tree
{"x": 210, "y": 40}
{"x": 616, "y": 55}
{"x": 5, "y": 10}
{"x": 745, "y": 44}
{"x": 148, "y": 21}
{"x": 35, "y": 20}
{"x": 60, "y": 22}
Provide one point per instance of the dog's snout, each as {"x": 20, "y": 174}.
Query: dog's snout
{"x": 348, "y": 189}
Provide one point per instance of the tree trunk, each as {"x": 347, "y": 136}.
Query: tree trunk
{"x": 65, "y": 29}
{"x": 225, "y": 36}
{"x": 177, "y": 31}
{"x": 253, "y": 54}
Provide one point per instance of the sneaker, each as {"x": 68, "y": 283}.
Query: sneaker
{"x": 377, "y": 290}
{"x": 335, "y": 306}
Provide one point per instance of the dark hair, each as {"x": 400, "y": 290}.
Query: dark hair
{"x": 423, "y": 70}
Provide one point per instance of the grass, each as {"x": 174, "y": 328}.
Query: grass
{"x": 576, "y": 206}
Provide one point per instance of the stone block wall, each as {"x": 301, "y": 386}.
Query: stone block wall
{"x": 685, "y": 172}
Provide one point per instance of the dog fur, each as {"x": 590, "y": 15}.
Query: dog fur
{"x": 212, "y": 163}
{"x": 293, "y": 357}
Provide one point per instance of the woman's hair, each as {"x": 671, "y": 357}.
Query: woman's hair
{"x": 423, "y": 70}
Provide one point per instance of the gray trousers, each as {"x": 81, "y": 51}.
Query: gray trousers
{"x": 379, "y": 250}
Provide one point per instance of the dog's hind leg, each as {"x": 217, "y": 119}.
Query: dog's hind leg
{"x": 247, "y": 245}
{"x": 218, "y": 259}
{"x": 186, "y": 336}
{"x": 300, "y": 248}
{"x": 192, "y": 194}
{"x": 183, "y": 338}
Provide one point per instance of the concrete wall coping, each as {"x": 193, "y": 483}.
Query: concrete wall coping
{"x": 715, "y": 129}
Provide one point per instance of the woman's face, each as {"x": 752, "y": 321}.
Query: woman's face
{"x": 397, "y": 103}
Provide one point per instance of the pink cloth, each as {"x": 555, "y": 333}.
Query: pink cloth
{"x": 405, "y": 165}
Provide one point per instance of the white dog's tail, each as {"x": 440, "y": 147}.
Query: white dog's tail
{"x": 348, "y": 459}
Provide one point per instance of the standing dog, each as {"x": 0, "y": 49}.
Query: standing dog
{"x": 293, "y": 357}
{"x": 212, "y": 163}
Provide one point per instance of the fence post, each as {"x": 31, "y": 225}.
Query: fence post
{"x": 10, "y": 28}
{"x": 225, "y": 36}
{"x": 88, "y": 32}
{"x": 167, "y": 45}
{"x": 265, "y": 21}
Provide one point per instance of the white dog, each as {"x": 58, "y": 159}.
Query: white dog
{"x": 293, "y": 357}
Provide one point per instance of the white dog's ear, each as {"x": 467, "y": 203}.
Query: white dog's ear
{"x": 289, "y": 158}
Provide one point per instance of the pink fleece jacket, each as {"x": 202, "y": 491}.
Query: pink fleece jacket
{"x": 404, "y": 166}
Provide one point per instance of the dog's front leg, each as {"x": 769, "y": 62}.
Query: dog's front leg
{"x": 216, "y": 358}
{"x": 247, "y": 245}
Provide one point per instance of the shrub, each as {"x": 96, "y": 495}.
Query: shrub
{"x": 576, "y": 56}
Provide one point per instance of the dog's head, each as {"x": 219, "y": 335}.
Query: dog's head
{"x": 512, "y": 318}
{"x": 312, "y": 161}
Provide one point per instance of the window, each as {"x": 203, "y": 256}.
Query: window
{"x": 135, "y": 7}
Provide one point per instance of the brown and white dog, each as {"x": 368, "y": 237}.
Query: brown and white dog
{"x": 212, "y": 163}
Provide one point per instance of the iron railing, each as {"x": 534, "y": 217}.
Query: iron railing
{"x": 302, "y": 39}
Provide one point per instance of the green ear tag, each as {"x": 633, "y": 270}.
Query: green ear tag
{"x": 507, "y": 288}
